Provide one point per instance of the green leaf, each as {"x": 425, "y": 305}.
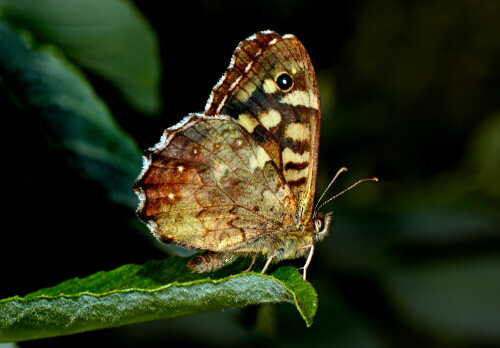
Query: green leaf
{"x": 158, "y": 289}
{"x": 46, "y": 83}
{"x": 109, "y": 37}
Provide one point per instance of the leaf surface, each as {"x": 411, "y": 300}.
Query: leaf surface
{"x": 156, "y": 290}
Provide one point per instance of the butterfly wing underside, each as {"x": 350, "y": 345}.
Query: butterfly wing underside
{"x": 286, "y": 123}
{"x": 240, "y": 178}
{"x": 209, "y": 185}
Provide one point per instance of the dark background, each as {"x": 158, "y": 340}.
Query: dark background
{"x": 410, "y": 94}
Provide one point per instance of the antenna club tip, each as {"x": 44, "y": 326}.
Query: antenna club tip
{"x": 375, "y": 179}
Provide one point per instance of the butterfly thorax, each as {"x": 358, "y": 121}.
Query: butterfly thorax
{"x": 296, "y": 239}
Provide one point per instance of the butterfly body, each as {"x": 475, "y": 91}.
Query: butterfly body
{"x": 240, "y": 177}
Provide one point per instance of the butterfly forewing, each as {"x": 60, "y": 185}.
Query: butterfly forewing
{"x": 284, "y": 122}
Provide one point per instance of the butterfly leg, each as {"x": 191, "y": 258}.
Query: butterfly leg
{"x": 269, "y": 260}
{"x": 251, "y": 265}
{"x": 308, "y": 261}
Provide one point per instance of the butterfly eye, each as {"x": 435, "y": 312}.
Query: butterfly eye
{"x": 284, "y": 82}
{"x": 319, "y": 224}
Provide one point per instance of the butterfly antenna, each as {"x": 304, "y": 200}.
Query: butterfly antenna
{"x": 341, "y": 170}
{"x": 347, "y": 189}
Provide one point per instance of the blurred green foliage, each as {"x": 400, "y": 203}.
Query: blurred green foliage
{"x": 108, "y": 37}
{"x": 409, "y": 94}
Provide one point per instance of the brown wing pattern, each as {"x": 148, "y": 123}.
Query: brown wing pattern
{"x": 209, "y": 185}
{"x": 285, "y": 122}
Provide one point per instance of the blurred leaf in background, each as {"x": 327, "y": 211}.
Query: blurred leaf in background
{"x": 49, "y": 85}
{"x": 108, "y": 37}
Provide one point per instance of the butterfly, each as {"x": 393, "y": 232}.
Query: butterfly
{"x": 240, "y": 178}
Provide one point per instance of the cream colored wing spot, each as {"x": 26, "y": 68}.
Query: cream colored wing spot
{"x": 248, "y": 67}
{"x": 235, "y": 83}
{"x": 291, "y": 157}
{"x": 302, "y": 98}
{"x": 298, "y": 131}
{"x": 248, "y": 122}
{"x": 294, "y": 174}
{"x": 239, "y": 143}
{"x": 260, "y": 159}
{"x": 270, "y": 119}
{"x": 270, "y": 86}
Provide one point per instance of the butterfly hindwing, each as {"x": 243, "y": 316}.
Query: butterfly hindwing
{"x": 209, "y": 185}
{"x": 284, "y": 121}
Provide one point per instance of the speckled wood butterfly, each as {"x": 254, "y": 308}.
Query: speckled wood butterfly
{"x": 240, "y": 178}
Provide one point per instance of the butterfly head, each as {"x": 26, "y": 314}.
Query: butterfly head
{"x": 321, "y": 225}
